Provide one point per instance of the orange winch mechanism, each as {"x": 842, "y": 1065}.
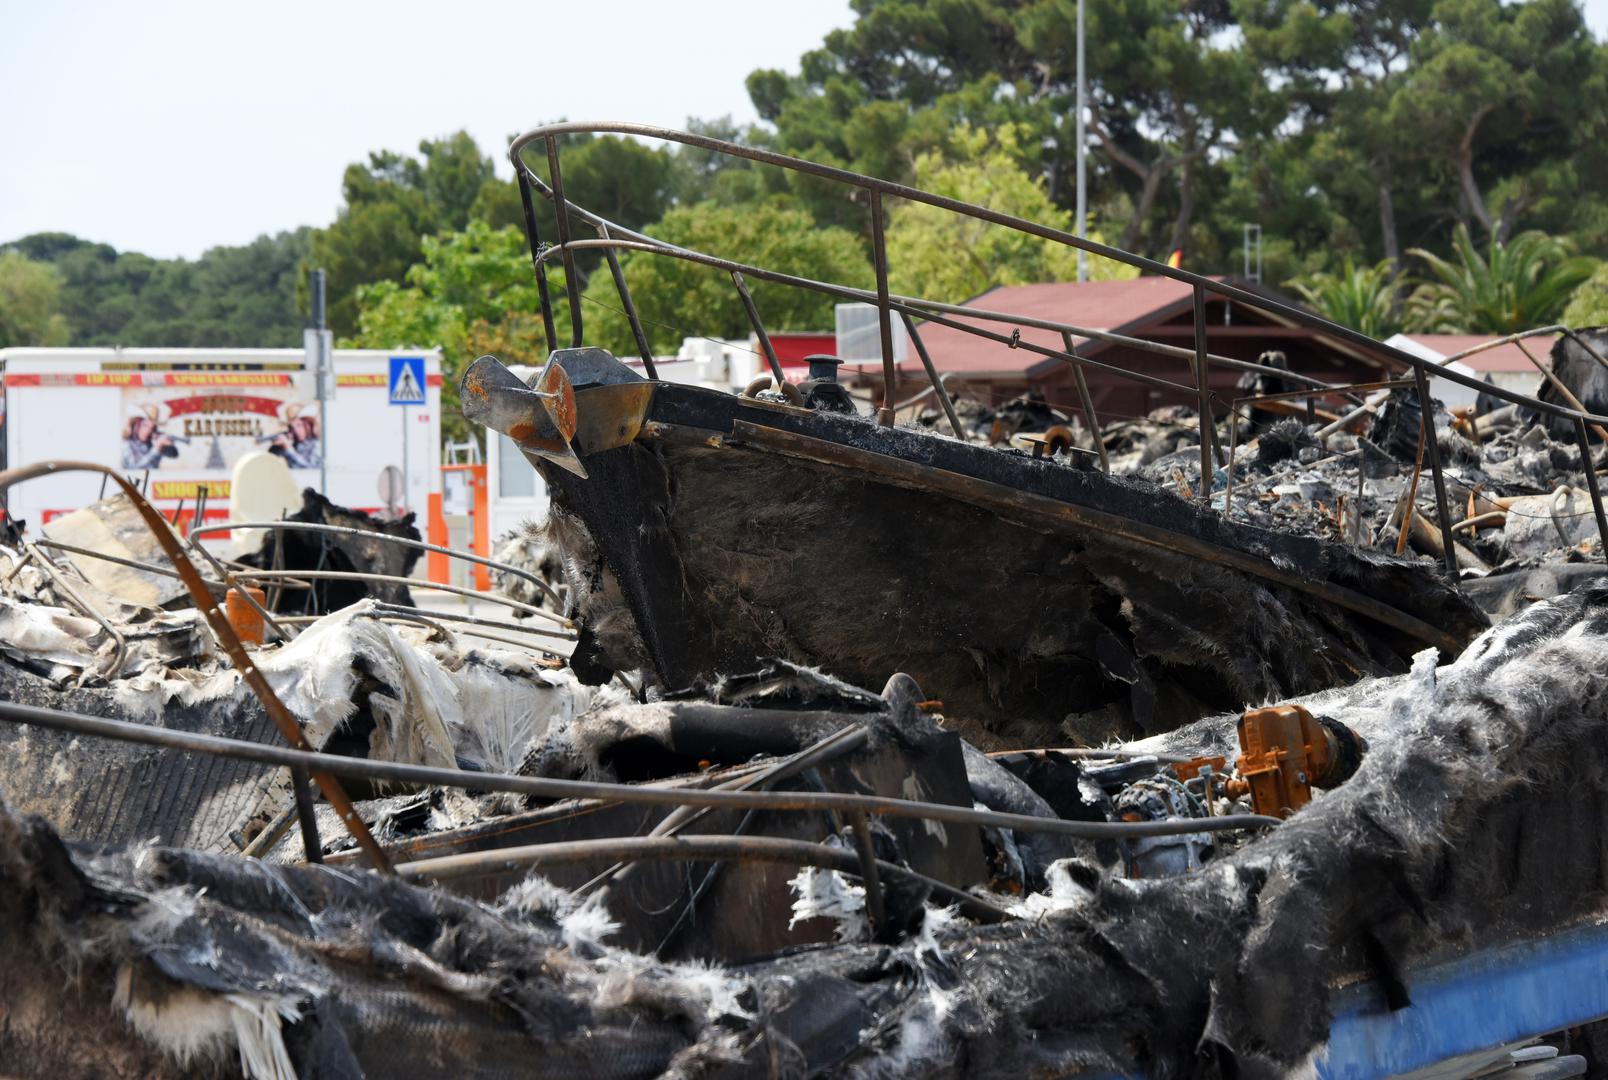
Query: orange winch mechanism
{"x": 1285, "y": 752}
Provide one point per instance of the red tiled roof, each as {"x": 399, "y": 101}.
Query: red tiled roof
{"x": 1097, "y": 305}
{"x": 1499, "y": 359}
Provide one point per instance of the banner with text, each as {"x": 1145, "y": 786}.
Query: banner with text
{"x": 174, "y": 428}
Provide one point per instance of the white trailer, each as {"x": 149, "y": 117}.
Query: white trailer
{"x": 176, "y": 421}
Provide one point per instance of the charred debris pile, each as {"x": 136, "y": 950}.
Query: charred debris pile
{"x": 1522, "y": 517}
{"x": 982, "y": 942}
{"x": 484, "y": 857}
{"x": 807, "y": 742}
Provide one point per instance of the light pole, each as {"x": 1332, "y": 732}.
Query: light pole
{"x": 1083, "y": 187}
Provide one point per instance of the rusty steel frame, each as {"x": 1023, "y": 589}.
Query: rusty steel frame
{"x": 931, "y": 310}
{"x": 561, "y": 208}
{"x": 932, "y": 373}
{"x": 1087, "y": 401}
{"x": 288, "y": 726}
{"x": 1298, "y": 395}
{"x": 759, "y": 327}
{"x": 804, "y": 802}
{"x": 629, "y": 306}
{"x": 844, "y": 740}
{"x": 400, "y": 541}
{"x": 876, "y": 189}
{"x": 284, "y": 576}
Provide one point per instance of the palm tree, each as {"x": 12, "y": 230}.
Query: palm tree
{"x": 1515, "y": 286}
{"x": 1363, "y": 299}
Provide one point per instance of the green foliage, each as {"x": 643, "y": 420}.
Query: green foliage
{"x": 1589, "y": 304}
{"x": 1343, "y": 127}
{"x": 939, "y": 255}
{"x": 1512, "y": 286}
{"x": 1363, "y": 298}
{"x": 471, "y": 288}
{"x": 231, "y": 297}
{"x": 390, "y": 205}
{"x": 1348, "y": 129}
{"x": 30, "y": 293}
{"x": 677, "y": 298}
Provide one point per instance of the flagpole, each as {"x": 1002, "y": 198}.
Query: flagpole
{"x": 1083, "y": 196}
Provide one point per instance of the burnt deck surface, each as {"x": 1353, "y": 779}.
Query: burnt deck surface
{"x": 1021, "y": 593}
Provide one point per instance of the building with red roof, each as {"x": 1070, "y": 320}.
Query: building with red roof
{"x": 1154, "y": 309}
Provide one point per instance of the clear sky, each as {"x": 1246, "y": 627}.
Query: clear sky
{"x": 169, "y": 126}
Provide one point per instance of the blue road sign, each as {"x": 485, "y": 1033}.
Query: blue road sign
{"x": 407, "y": 380}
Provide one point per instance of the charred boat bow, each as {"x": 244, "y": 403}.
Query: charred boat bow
{"x": 694, "y": 518}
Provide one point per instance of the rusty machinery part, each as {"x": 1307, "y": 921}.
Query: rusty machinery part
{"x": 1163, "y": 798}
{"x": 1188, "y": 770}
{"x": 1285, "y": 752}
{"x": 761, "y": 383}
{"x": 173, "y": 547}
{"x": 1051, "y": 441}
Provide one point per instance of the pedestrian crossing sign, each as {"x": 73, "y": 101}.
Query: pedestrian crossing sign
{"x": 407, "y": 380}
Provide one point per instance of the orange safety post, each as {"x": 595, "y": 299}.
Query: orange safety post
{"x": 482, "y": 524}
{"x": 438, "y": 567}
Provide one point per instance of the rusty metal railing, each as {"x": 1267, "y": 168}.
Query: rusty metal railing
{"x": 614, "y": 238}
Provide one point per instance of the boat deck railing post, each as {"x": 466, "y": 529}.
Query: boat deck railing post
{"x": 627, "y": 304}
{"x": 932, "y": 373}
{"x": 572, "y": 286}
{"x": 1583, "y": 439}
{"x": 1426, "y": 405}
{"x": 759, "y": 328}
{"x": 533, "y": 236}
{"x": 1207, "y": 427}
{"x": 879, "y": 255}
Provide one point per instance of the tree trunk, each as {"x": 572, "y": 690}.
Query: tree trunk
{"x": 1387, "y": 225}
{"x": 1151, "y": 174}
{"x": 1186, "y": 205}
{"x": 1157, "y": 172}
{"x": 1465, "y": 170}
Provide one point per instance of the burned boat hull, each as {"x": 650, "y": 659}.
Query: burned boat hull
{"x": 710, "y": 531}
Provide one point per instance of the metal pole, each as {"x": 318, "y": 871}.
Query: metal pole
{"x": 643, "y": 348}
{"x": 572, "y": 286}
{"x": 1205, "y": 396}
{"x": 312, "y": 846}
{"x": 759, "y": 328}
{"x": 535, "y": 239}
{"x": 1083, "y": 193}
{"x": 406, "y": 492}
{"x": 1087, "y": 400}
{"x": 1591, "y": 481}
{"x": 322, "y": 376}
{"x": 1426, "y": 405}
{"x": 932, "y": 374}
{"x": 811, "y": 802}
{"x": 879, "y": 253}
